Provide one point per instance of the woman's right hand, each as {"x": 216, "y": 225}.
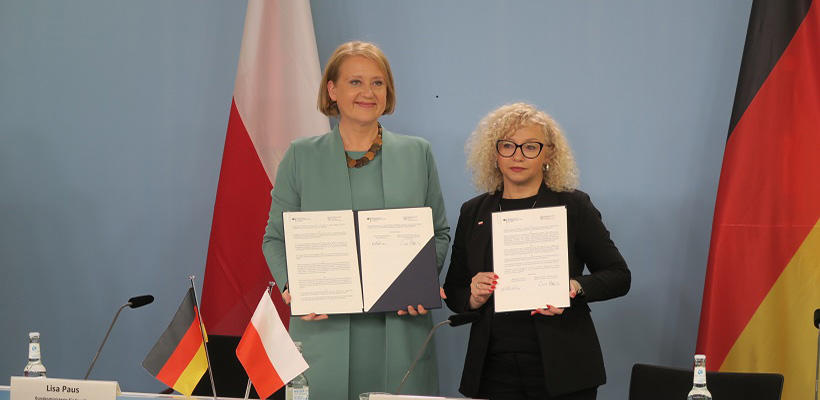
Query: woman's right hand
{"x": 309, "y": 317}
{"x": 482, "y": 287}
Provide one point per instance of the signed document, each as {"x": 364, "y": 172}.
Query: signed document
{"x": 398, "y": 256}
{"x": 323, "y": 264}
{"x": 346, "y": 262}
{"x": 530, "y": 257}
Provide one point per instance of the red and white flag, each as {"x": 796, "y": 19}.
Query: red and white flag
{"x": 267, "y": 352}
{"x": 274, "y": 102}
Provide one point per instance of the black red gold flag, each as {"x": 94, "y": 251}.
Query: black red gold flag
{"x": 763, "y": 273}
{"x": 178, "y": 358}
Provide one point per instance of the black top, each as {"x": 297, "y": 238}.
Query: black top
{"x": 513, "y": 332}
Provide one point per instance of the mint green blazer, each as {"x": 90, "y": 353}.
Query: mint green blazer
{"x": 312, "y": 176}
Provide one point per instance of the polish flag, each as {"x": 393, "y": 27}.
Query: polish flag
{"x": 274, "y": 102}
{"x": 267, "y": 352}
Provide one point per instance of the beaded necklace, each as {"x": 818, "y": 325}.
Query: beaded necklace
{"x": 369, "y": 155}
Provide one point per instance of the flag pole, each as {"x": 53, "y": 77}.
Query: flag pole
{"x": 204, "y": 340}
{"x": 271, "y": 284}
{"x": 248, "y": 389}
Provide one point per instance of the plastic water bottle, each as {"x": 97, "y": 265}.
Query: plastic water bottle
{"x": 298, "y": 389}
{"x": 699, "y": 391}
{"x": 35, "y": 366}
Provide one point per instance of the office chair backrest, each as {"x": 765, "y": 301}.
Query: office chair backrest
{"x": 652, "y": 382}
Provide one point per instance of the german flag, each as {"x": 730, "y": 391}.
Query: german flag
{"x": 178, "y": 358}
{"x": 763, "y": 274}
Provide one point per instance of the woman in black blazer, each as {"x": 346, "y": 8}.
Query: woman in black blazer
{"x": 520, "y": 159}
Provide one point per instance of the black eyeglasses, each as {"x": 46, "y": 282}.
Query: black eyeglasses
{"x": 506, "y": 148}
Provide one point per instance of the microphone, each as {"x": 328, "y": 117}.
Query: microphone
{"x": 466, "y": 318}
{"x": 140, "y": 301}
{"x": 454, "y": 320}
{"x": 133, "y": 302}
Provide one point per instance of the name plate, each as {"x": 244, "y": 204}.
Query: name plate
{"x": 23, "y": 388}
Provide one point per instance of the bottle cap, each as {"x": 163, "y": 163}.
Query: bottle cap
{"x": 33, "y": 335}
{"x": 700, "y": 356}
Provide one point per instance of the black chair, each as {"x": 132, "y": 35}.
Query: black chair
{"x": 652, "y": 382}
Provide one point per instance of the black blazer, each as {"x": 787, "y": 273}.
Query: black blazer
{"x": 569, "y": 345}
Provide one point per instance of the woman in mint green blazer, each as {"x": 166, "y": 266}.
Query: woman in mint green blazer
{"x": 358, "y": 165}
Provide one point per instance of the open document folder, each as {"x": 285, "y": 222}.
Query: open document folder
{"x": 344, "y": 262}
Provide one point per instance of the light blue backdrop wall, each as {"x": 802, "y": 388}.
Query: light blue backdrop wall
{"x": 113, "y": 116}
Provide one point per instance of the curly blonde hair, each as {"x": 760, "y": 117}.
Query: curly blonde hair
{"x": 501, "y": 123}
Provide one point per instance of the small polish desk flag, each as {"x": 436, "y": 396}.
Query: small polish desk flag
{"x": 267, "y": 352}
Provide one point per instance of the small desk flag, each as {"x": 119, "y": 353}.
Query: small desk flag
{"x": 178, "y": 358}
{"x": 267, "y": 352}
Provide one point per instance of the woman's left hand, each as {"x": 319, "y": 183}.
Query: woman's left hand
{"x": 551, "y": 310}
{"x": 420, "y": 310}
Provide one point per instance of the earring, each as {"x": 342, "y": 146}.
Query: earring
{"x": 546, "y": 167}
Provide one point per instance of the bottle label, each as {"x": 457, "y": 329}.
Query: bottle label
{"x": 33, "y": 351}
{"x": 700, "y": 375}
{"x": 300, "y": 393}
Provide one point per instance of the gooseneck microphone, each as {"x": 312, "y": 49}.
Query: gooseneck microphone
{"x": 133, "y": 302}
{"x": 454, "y": 320}
{"x": 139, "y": 301}
{"x": 464, "y": 318}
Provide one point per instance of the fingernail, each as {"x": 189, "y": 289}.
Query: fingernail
{"x": 496, "y": 276}
{"x": 494, "y": 282}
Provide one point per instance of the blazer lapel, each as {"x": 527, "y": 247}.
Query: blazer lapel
{"x": 483, "y": 231}
{"x": 390, "y": 170}
{"x": 336, "y": 175}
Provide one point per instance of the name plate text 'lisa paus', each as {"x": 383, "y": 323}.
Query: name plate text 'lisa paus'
{"x": 23, "y": 388}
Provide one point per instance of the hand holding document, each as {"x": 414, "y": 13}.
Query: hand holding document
{"x": 530, "y": 256}
{"x": 395, "y": 249}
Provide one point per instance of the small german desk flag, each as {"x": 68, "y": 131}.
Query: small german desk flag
{"x": 178, "y": 358}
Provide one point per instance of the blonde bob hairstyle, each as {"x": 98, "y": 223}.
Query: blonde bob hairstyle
{"x": 355, "y": 48}
{"x": 501, "y": 123}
